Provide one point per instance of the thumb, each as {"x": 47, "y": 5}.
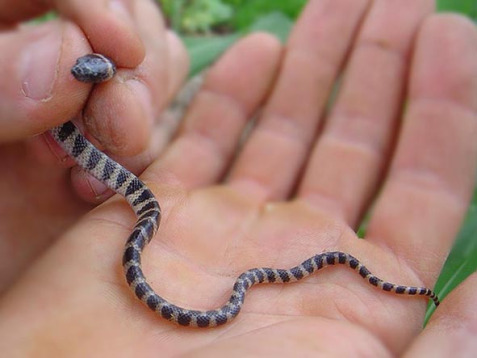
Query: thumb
{"x": 37, "y": 90}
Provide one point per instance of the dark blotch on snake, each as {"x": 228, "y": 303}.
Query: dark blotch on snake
{"x": 107, "y": 170}
{"x": 184, "y": 319}
{"x": 145, "y": 195}
{"x": 270, "y": 274}
{"x": 134, "y": 186}
{"x": 93, "y": 160}
{"x": 363, "y": 271}
{"x": 203, "y": 321}
{"x": 353, "y": 263}
{"x": 138, "y": 238}
{"x": 66, "y": 130}
{"x": 221, "y": 319}
{"x": 133, "y": 273}
{"x": 121, "y": 178}
{"x": 400, "y": 289}
{"x": 373, "y": 280}
{"x": 308, "y": 265}
{"x": 131, "y": 254}
{"x": 283, "y": 275}
{"x": 142, "y": 289}
{"x": 330, "y": 260}
{"x": 153, "y": 302}
{"x": 341, "y": 258}
{"x": 150, "y": 206}
{"x": 297, "y": 273}
{"x": 167, "y": 311}
{"x": 319, "y": 261}
{"x": 413, "y": 290}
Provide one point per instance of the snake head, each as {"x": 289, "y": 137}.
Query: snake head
{"x": 93, "y": 68}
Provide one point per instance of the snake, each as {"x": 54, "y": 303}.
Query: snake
{"x": 97, "y": 68}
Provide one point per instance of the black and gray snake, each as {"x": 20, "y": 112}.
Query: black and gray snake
{"x": 97, "y": 68}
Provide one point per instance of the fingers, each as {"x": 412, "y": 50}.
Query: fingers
{"x": 108, "y": 24}
{"x": 233, "y": 89}
{"x": 431, "y": 179}
{"x": 451, "y": 330}
{"x": 13, "y": 12}
{"x": 346, "y": 163}
{"x": 39, "y": 91}
{"x": 273, "y": 156}
{"x": 120, "y": 114}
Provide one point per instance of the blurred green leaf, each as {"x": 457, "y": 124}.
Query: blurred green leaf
{"x": 247, "y": 12}
{"x": 203, "y": 51}
{"x": 45, "y": 17}
{"x": 201, "y": 15}
{"x": 462, "y": 260}
{"x": 467, "y": 7}
{"x": 275, "y": 23}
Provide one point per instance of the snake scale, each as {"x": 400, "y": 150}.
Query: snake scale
{"x": 96, "y": 68}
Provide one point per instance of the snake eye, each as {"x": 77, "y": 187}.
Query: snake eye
{"x": 93, "y": 68}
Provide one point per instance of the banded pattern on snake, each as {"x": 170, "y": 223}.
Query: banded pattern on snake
{"x": 148, "y": 212}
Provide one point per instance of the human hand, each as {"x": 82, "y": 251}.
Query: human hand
{"x": 39, "y": 92}
{"x": 291, "y": 192}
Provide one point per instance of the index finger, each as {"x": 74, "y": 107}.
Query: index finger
{"x": 108, "y": 24}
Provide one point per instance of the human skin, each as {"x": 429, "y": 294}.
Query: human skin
{"x": 119, "y": 117}
{"x": 300, "y": 184}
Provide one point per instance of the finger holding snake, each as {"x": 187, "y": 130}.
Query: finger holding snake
{"x": 40, "y": 57}
{"x": 39, "y": 92}
{"x": 121, "y": 114}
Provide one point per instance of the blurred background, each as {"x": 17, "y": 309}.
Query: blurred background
{"x": 208, "y": 27}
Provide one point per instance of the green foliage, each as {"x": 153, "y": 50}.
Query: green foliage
{"x": 275, "y": 23}
{"x": 196, "y": 16}
{"x": 249, "y": 11}
{"x": 203, "y": 51}
{"x": 467, "y": 7}
{"x": 202, "y": 16}
{"x": 462, "y": 260}
{"x": 45, "y": 17}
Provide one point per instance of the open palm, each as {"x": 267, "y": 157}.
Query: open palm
{"x": 301, "y": 183}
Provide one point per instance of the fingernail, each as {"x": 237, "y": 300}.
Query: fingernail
{"x": 97, "y": 187}
{"x": 39, "y": 61}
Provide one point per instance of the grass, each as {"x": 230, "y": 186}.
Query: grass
{"x": 277, "y": 17}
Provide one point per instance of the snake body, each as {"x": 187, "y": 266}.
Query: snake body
{"x": 148, "y": 212}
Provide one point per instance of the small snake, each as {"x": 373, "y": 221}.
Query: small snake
{"x": 95, "y": 68}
